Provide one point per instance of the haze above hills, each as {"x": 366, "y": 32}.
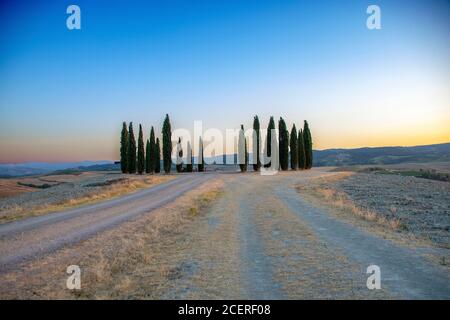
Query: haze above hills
{"x": 328, "y": 157}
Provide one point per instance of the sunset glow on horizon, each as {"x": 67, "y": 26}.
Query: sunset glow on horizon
{"x": 65, "y": 93}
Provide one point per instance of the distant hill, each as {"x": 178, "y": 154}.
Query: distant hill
{"x": 36, "y": 168}
{"x": 329, "y": 157}
{"x": 361, "y": 156}
{"x": 382, "y": 155}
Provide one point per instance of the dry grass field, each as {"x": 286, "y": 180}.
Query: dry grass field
{"x": 402, "y": 203}
{"x": 140, "y": 259}
{"x": 27, "y": 198}
{"x": 10, "y": 188}
{"x": 295, "y": 235}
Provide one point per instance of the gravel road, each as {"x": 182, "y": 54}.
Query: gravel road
{"x": 404, "y": 271}
{"x": 287, "y": 248}
{"x": 32, "y": 237}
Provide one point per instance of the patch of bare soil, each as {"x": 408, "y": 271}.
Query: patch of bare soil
{"x": 158, "y": 255}
{"x": 68, "y": 191}
{"x": 10, "y": 188}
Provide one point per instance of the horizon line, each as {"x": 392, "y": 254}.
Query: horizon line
{"x": 223, "y": 154}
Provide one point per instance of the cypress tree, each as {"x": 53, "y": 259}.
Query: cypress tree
{"x": 269, "y": 142}
{"x": 246, "y": 154}
{"x": 301, "y": 151}
{"x": 152, "y": 146}
{"x": 283, "y": 143}
{"x": 242, "y": 144}
{"x": 148, "y": 155}
{"x": 131, "y": 150}
{"x": 293, "y": 145}
{"x": 141, "y": 152}
{"x": 256, "y": 140}
{"x": 124, "y": 148}
{"x": 190, "y": 160}
{"x": 167, "y": 144}
{"x": 157, "y": 156}
{"x": 179, "y": 165}
{"x": 308, "y": 145}
{"x": 201, "y": 160}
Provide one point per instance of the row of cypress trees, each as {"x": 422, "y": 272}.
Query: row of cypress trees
{"x": 149, "y": 160}
{"x": 301, "y": 148}
{"x": 294, "y": 147}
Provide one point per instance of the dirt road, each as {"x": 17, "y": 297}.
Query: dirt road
{"x": 260, "y": 240}
{"x": 32, "y": 237}
{"x": 286, "y": 248}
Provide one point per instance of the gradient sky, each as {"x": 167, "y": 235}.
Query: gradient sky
{"x": 64, "y": 94}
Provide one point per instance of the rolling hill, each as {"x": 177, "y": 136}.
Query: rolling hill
{"x": 382, "y": 155}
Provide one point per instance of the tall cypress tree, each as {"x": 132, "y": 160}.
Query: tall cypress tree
{"x": 269, "y": 142}
{"x": 167, "y": 144}
{"x": 124, "y": 148}
{"x": 293, "y": 145}
{"x": 141, "y": 152}
{"x": 131, "y": 150}
{"x": 246, "y": 154}
{"x": 257, "y": 160}
{"x": 179, "y": 165}
{"x": 151, "y": 159}
{"x": 308, "y": 145}
{"x": 301, "y": 151}
{"x": 243, "y": 157}
{"x": 157, "y": 156}
{"x": 283, "y": 143}
{"x": 148, "y": 155}
{"x": 190, "y": 159}
{"x": 201, "y": 159}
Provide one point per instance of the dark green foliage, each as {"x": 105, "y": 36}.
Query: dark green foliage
{"x": 293, "y": 145}
{"x": 301, "y": 151}
{"x": 283, "y": 143}
{"x": 37, "y": 186}
{"x": 141, "y": 152}
{"x": 308, "y": 146}
{"x": 179, "y": 166}
{"x": 148, "y": 155}
{"x": 167, "y": 144}
{"x": 256, "y": 128}
{"x": 246, "y": 155}
{"x": 151, "y": 161}
{"x": 189, "y": 166}
{"x": 124, "y": 148}
{"x": 201, "y": 160}
{"x": 157, "y": 156}
{"x": 131, "y": 150}
{"x": 269, "y": 142}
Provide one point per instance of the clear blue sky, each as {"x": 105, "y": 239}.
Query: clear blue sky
{"x": 64, "y": 94}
